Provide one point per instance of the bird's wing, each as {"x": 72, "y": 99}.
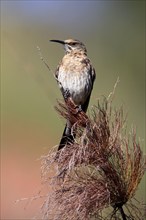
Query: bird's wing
{"x": 65, "y": 93}
{"x": 93, "y": 76}
{"x": 56, "y": 77}
{"x": 56, "y": 73}
{"x": 88, "y": 64}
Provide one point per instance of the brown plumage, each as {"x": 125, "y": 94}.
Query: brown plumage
{"x": 75, "y": 76}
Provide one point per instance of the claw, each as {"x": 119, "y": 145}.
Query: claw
{"x": 79, "y": 108}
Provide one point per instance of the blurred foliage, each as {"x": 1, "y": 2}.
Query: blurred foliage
{"x": 114, "y": 33}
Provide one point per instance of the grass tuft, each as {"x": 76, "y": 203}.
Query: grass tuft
{"x": 101, "y": 169}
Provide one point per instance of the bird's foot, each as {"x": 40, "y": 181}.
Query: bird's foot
{"x": 79, "y": 108}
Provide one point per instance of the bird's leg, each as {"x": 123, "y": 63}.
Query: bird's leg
{"x": 79, "y": 108}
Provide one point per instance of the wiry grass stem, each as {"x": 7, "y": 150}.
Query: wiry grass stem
{"x": 102, "y": 168}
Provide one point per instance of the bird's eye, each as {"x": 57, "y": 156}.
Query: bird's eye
{"x": 73, "y": 43}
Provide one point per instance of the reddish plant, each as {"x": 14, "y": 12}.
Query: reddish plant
{"x": 101, "y": 169}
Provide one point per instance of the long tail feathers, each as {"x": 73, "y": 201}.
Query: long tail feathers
{"x": 67, "y": 137}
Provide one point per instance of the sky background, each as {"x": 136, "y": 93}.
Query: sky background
{"x": 114, "y": 34}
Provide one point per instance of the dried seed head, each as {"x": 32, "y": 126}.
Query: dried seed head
{"x": 101, "y": 168}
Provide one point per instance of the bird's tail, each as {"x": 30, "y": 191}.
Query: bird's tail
{"x": 67, "y": 137}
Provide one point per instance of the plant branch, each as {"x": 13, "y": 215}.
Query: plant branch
{"x": 122, "y": 213}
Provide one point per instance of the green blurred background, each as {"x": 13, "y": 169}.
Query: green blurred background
{"x": 114, "y": 33}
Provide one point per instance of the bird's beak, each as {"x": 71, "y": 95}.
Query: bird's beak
{"x": 58, "y": 41}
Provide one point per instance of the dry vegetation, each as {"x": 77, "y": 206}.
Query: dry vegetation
{"x": 102, "y": 169}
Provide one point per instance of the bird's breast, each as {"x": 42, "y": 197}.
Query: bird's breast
{"x": 77, "y": 81}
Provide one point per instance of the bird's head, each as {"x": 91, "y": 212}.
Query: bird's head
{"x": 72, "y": 45}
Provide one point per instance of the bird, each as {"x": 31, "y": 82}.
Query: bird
{"x": 75, "y": 76}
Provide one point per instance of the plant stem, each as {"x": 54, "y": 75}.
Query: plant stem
{"x": 122, "y": 213}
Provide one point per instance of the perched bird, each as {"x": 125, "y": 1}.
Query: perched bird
{"x": 75, "y": 76}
